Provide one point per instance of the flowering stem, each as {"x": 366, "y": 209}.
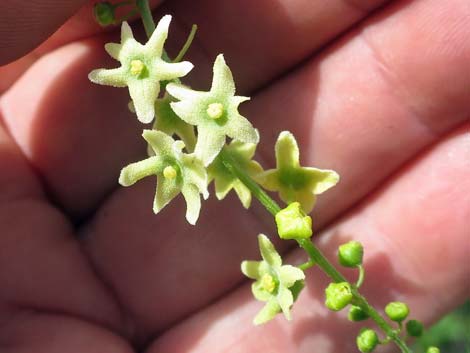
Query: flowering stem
{"x": 146, "y": 14}
{"x": 314, "y": 253}
{"x": 255, "y": 189}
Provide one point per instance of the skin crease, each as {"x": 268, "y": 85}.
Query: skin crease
{"x": 385, "y": 101}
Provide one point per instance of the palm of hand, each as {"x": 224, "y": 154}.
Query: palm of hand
{"x": 384, "y": 116}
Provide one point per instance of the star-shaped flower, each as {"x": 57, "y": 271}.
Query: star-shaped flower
{"x": 215, "y": 113}
{"x": 224, "y": 180}
{"x": 142, "y": 68}
{"x": 274, "y": 282}
{"x": 292, "y": 181}
{"x": 176, "y": 172}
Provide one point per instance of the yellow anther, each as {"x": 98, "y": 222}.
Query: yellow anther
{"x": 169, "y": 173}
{"x": 215, "y": 110}
{"x": 137, "y": 67}
{"x": 267, "y": 282}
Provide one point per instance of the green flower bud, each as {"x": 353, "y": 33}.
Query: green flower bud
{"x": 104, "y": 13}
{"x": 433, "y": 350}
{"x": 292, "y": 223}
{"x": 338, "y": 295}
{"x": 367, "y": 340}
{"x": 350, "y": 254}
{"x": 397, "y": 311}
{"x": 357, "y": 314}
{"x": 414, "y": 328}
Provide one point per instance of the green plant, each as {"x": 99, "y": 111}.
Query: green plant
{"x": 202, "y": 122}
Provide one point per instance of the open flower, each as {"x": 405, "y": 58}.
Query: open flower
{"x": 224, "y": 180}
{"x": 215, "y": 113}
{"x": 274, "y": 281}
{"x": 176, "y": 172}
{"x": 142, "y": 68}
{"x": 292, "y": 181}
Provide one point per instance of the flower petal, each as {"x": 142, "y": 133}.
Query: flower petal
{"x": 113, "y": 49}
{"x": 170, "y": 71}
{"x": 268, "y": 252}
{"x": 139, "y": 170}
{"x": 285, "y": 300}
{"x": 126, "y": 32}
{"x": 182, "y": 92}
{"x": 269, "y": 179}
{"x": 209, "y": 144}
{"x": 193, "y": 202}
{"x": 254, "y": 269}
{"x": 222, "y": 81}
{"x": 167, "y": 190}
{"x": 144, "y": 93}
{"x": 161, "y": 143}
{"x": 154, "y": 46}
{"x": 269, "y": 311}
{"x": 239, "y": 128}
{"x": 244, "y": 194}
{"x": 109, "y": 77}
{"x": 259, "y": 293}
{"x": 288, "y": 275}
{"x": 321, "y": 179}
{"x": 287, "y": 151}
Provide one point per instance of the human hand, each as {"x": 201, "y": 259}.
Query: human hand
{"x": 86, "y": 267}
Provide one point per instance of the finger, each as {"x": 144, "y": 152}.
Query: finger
{"x": 50, "y": 149}
{"x": 415, "y": 233}
{"x": 78, "y": 142}
{"x": 354, "y": 136}
{"x": 42, "y": 268}
{"x": 25, "y": 25}
{"x": 53, "y": 333}
{"x": 263, "y": 39}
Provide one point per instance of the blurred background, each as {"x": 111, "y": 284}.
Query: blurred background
{"x": 451, "y": 334}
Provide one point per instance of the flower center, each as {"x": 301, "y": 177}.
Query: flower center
{"x": 268, "y": 283}
{"x": 169, "y": 173}
{"x": 137, "y": 67}
{"x": 215, "y": 110}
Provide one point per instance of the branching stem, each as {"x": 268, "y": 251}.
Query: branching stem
{"x": 313, "y": 252}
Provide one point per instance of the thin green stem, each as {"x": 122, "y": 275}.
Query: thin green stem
{"x": 255, "y": 189}
{"x": 186, "y": 45}
{"x": 360, "y": 280}
{"x": 146, "y": 14}
{"x": 307, "y": 265}
{"x": 314, "y": 253}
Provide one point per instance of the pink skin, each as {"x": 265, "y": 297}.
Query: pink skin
{"x": 385, "y": 104}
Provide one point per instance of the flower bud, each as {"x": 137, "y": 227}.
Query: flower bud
{"x": 104, "y": 13}
{"x": 350, "y": 254}
{"x": 433, "y": 350}
{"x": 292, "y": 223}
{"x": 414, "y": 328}
{"x": 338, "y": 295}
{"x": 397, "y": 311}
{"x": 367, "y": 340}
{"x": 357, "y": 314}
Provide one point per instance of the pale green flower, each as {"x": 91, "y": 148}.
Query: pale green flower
{"x": 142, "y": 68}
{"x": 274, "y": 281}
{"x": 224, "y": 180}
{"x": 215, "y": 113}
{"x": 176, "y": 172}
{"x": 292, "y": 181}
